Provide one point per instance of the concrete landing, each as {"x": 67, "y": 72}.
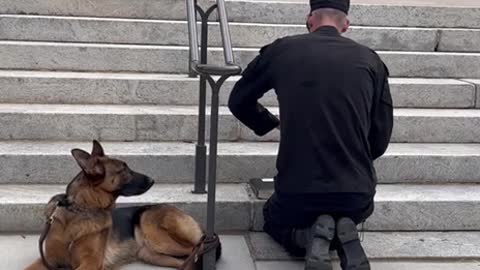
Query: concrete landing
{"x": 18, "y": 251}
{"x": 378, "y": 265}
{"x": 426, "y": 3}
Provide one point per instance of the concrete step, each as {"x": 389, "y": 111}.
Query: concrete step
{"x": 477, "y": 85}
{"x": 439, "y": 264}
{"x": 398, "y": 207}
{"x": 161, "y": 89}
{"x": 21, "y": 250}
{"x": 43, "y": 162}
{"x": 459, "y": 247}
{"x": 179, "y": 123}
{"x": 403, "y": 207}
{"x": 21, "y": 206}
{"x": 160, "y": 32}
{"x": 173, "y": 59}
{"x": 415, "y": 126}
{"x": 252, "y": 11}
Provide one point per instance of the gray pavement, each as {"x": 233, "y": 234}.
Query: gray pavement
{"x": 432, "y": 3}
{"x": 17, "y": 251}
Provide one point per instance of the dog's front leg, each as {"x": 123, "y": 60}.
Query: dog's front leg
{"x": 88, "y": 252}
{"x": 37, "y": 265}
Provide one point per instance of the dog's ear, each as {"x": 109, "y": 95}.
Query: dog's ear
{"x": 97, "y": 150}
{"x": 82, "y": 158}
{"x": 88, "y": 163}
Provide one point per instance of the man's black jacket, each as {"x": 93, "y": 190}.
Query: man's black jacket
{"x": 336, "y": 114}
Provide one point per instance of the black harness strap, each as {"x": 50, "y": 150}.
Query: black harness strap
{"x": 44, "y": 235}
{"x": 204, "y": 246}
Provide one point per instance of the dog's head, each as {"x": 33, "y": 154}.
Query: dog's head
{"x": 103, "y": 179}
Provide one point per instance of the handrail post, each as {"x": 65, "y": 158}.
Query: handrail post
{"x": 206, "y": 71}
{"x": 201, "y": 149}
{"x": 209, "y": 259}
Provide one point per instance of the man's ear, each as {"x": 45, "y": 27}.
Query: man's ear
{"x": 88, "y": 163}
{"x": 346, "y": 25}
{"x": 97, "y": 150}
{"x": 82, "y": 158}
{"x": 308, "y": 21}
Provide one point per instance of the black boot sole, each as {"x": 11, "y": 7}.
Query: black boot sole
{"x": 355, "y": 256}
{"x": 322, "y": 234}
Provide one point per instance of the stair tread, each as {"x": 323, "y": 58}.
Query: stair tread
{"x": 20, "y": 250}
{"x": 225, "y": 148}
{"x": 174, "y": 193}
{"x": 141, "y": 109}
{"x": 166, "y": 76}
{"x": 159, "y": 193}
{"x": 185, "y": 48}
{"x": 391, "y": 245}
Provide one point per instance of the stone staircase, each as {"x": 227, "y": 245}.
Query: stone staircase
{"x": 115, "y": 70}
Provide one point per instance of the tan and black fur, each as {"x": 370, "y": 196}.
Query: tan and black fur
{"x": 89, "y": 233}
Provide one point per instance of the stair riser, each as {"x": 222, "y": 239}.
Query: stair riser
{"x": 49, "y": 56}
{"x": 183, "y": 127}
{"x": 240, "y": 11}
{"x": 243, "y": 35}
{"x": 184, "y": 91}
{"x": 30, "y": 218}
{"x": 388, "y": 216}
{"x": 178, "y": 168}
{"x": 409, "y": 216}
{"x": 400, "y": 246}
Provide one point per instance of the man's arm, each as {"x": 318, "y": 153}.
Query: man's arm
{"x": 382, "y": 116}
{"x": 243, "y": 101}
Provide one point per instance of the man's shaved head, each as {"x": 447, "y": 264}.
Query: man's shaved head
{"x": 328, "y": 16}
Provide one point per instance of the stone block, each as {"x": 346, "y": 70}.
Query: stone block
{"x": 51, "y": 162}
{"x": 162, "y": 89}
{"x": 379, "y": 265}
{"x": 173, "y": 59}
{"x": 459, "y": 40}
{"x": 109, "y": 123}
{"x": 431, "y": 93}
{"x": 405, "y": 208}
{"x": 22, "y": 207}
{"x": 135, "y": 31}
{"x": 20, "y": 250}
{"x": 395, "y": 245}
{"x": 414, "y": 125}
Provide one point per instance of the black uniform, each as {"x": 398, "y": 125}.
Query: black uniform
{"x": 336, "y": 118}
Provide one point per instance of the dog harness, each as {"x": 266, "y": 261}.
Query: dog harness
{"x": 48, "y": 224}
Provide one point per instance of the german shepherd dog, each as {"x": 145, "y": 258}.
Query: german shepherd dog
{"x": 87, "y": 232}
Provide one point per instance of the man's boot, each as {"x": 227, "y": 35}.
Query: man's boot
{"x": 317, "y": 242}
{"x": 351, "y": 253}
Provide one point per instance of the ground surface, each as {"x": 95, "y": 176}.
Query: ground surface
{"x": 442, "y": 3}
{"x": 17, "y": 251}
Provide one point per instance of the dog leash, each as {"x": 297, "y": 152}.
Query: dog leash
{"x": 199, "y": 250}
{"x": 43, "y": 236}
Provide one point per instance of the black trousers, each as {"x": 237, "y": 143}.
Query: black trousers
{"x": 284, "y": 213}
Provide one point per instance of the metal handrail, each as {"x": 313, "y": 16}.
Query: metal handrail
{"x": 198, "y": 66}
{"x": 225, "y": 32}
{"x": 230, "y": 68}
